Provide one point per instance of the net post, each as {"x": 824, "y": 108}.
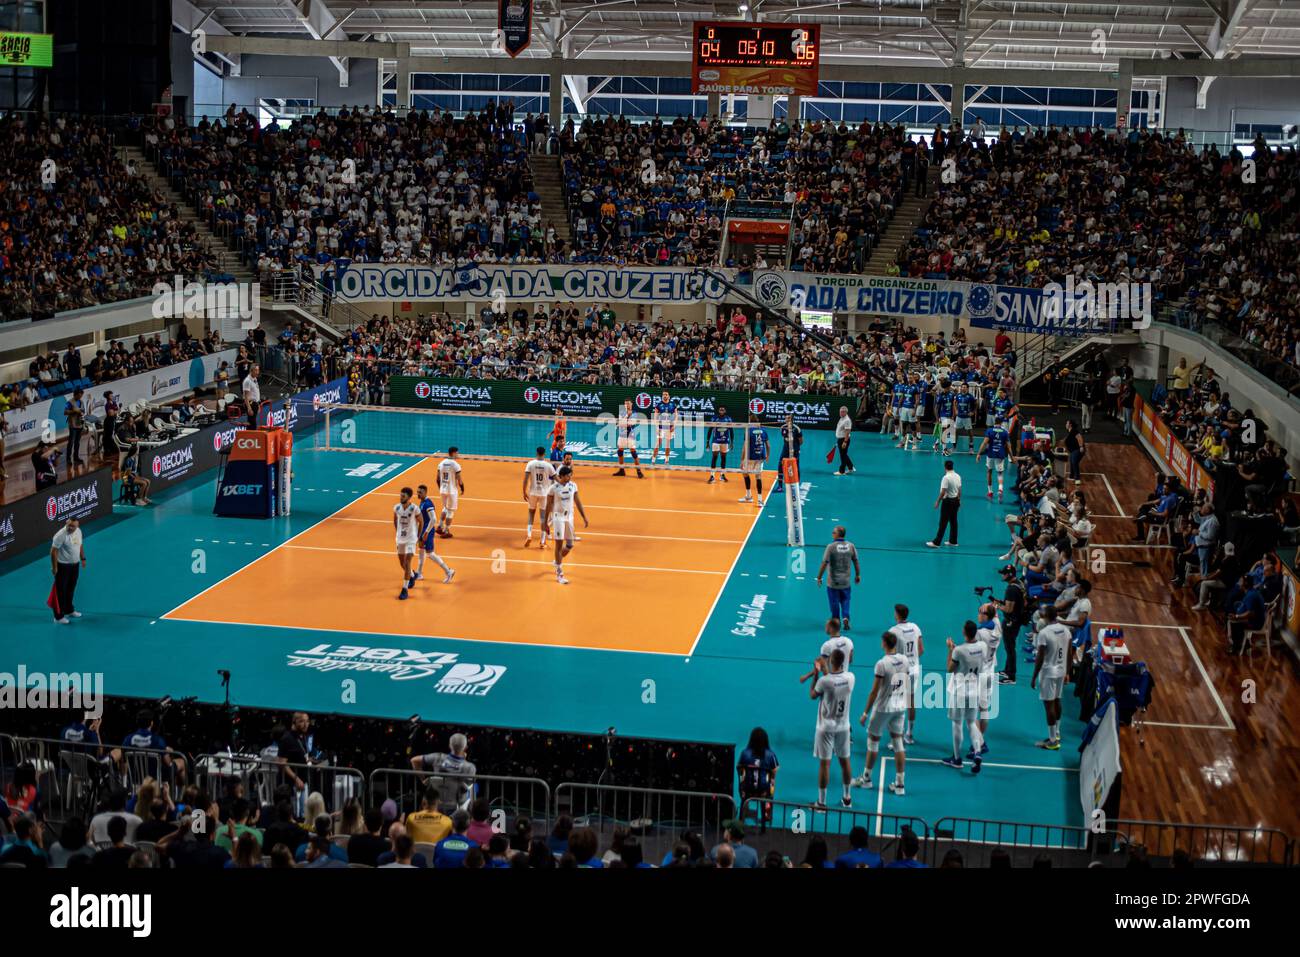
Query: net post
{"x": 328, "y": 412}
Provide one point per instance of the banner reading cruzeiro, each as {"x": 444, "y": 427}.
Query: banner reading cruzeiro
{"x": 877, "y": 295}
{"x": 368, "y": 282}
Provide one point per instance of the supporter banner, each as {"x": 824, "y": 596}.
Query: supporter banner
{"x": 880, "y": 295}
{"x": 26, "y": 425}
{"x": 1017, "y": 309}
{"x": 303, "y": 409}
{"x": 1170, "y": 452}
{"x": 515, "y": 25}
{"x": 1099, "y": 764}
{"x": 380, "y": 281}
{"x": 185, "y": 457}
{"x": 543, "y": 398}
{"x": 33, "y": 520}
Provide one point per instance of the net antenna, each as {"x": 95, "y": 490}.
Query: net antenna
{"x": 775, "y": 316}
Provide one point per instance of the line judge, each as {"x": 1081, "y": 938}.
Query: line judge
{"x": 948, "y": 502}
{"x": 67, "y": 558}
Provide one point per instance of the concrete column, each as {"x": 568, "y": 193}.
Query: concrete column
{"x": 958, "y": 104}
{"x": 556, "y": 95}
{"x": 792, "y": 106}
{"x": 715, "y": 104}
{"x": 1123, "y": 95}
{"x": 760, "y": 109}
{"x": 403, "y": 84}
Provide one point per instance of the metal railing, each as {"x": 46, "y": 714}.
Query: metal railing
{"x": 657, "y": 818}
{"x": 260, "y": 775}
{"x": 509, "y": 798}
{"x": 976, "y": 840}
{"x": 1206, "y": 844}
{"x": 786, "y": 827}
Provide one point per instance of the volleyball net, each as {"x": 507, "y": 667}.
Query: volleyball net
{"x": 692, "y": 442}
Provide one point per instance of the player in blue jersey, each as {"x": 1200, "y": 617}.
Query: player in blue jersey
{"x": 964, "y": 406}
{"x": 913, "y": 395}
{"x": 791, "y": 443}
{"x": 557, "y": 452}
{"x": 627, "y": 423}
{"x": 666, "y": 417}
{"x": 996, "y": 445}
{"x": 428, "y": 535}
{"x": 755, "y": 454}
{"x": 945, "y": 403}
{"x": 894, "y": 411}
{"x": 719, "y": 444}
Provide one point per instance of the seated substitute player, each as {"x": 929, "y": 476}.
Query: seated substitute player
{"x": 997, "y": 445}
{"x": 834, "y": 686}
{"x": 719, "y": 444}
{"x": 627, "y": 425}
{"x": 965, "y": 692}
{"x": 791, "y": 443}
{"x": 451, "y": 488}
{"x": 754, "y": 455}
{"x": 666, "y": 417}
{"x": 406, "y": 517}
{"x": 887, "y": 709}
{"x": 428, "y": 535}
{"x": 539, "y": 475}
{"x": 564, "y": 498}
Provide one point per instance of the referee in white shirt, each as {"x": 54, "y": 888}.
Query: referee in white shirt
{"x": 252, "y": 394}
{"x": 948, "y": 502}
{"x": 843, "y": 428}
{"x": 67, "y": 558}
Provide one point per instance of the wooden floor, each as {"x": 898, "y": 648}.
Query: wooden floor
{"x": 1222, "y": 742}
{"x": 20, "y": 477}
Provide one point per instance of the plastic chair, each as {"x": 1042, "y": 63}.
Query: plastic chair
{"x": 1265, "y": 631}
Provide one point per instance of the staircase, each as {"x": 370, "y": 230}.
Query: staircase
{"x": 229, "y": 262}
{"x": 907, "y": 217}
{"x": 548, "y": 181}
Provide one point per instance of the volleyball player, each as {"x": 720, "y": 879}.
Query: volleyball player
{"x": 990, "y": 632}
{"x": 753, "y": 457}
{"x": 965, "y": 667}
{"x": 911, "y": 646}
{"x": 894, "y": 406}
{"x": 945, "y": 435}
{"x": 1051, "y": 650}
{"x": 887, "y": 710}
{"x": 627, "y": 438}
{"x": 833, "y": 640}
{"x": 450, "y": 488}
{"x": 539, "y": 474}
{"x": 428, "y": 536}
{"x": 996, "y": 446}
{"x": 557, "y": 455}
{"x": 666, "y": 417}
{"x": 964, "y": 406}
{"x": 564, "y": 498}
{"x": 791, "y": 443}
{"x": 559, "y": 433}
{"x": 834, "y": 688}
{"x": 406, "y": 515}
{"x": 719, "y": 444}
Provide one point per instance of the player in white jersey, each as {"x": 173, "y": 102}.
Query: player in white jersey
{"x": 1051, "y": 672}
{"x": 539, "y": 476}
{"x": 450, "y": 488}
{"x": 428, "y": 537}
{"x": 990, "y": 632}
{"x": 833, "y": 690}
{"x": 833, "y": 640}
{"x": 564, "y": 499}
{"x": 965, "y": 677}
{"x": 627, "y": 425}
{"x": 406, "y": 525}
{"x": 911, "y": 647}
{"x": 887, "y": 710}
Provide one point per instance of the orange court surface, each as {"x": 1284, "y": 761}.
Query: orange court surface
{"x": 645, "y": 575}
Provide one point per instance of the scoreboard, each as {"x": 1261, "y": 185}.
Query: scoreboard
{"x": 761, "y": 58}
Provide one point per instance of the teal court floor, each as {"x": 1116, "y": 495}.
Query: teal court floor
{"x": 761, "y": 631}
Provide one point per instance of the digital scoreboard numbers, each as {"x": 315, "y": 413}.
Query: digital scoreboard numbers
{"x": 760, "y": 58}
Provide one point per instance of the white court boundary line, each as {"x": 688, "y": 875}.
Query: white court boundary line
{"x": 586, "y": 533}
{"x": 519, "y": 561}
{"x": 345, "y": 505}
{"x": 621, "y": 508}
{"x": 708, "y": 616}
{"x": 1105, "y": 478}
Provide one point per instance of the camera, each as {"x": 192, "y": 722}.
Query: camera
{"x": 982, "y": 590}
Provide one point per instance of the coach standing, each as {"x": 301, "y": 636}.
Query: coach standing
{"x": 839, "y": 556}
{"x": 842, "y": 430}
{"x": 252, "y": 394}
{"x": 948, "y": 502}
{"x": 67, "y": 558}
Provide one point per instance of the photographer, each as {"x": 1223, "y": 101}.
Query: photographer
{"x": 1012, "y": 607}
{"x": 45, "y": 459}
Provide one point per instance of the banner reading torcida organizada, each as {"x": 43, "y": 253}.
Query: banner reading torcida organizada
{"x": 543, "y": 398}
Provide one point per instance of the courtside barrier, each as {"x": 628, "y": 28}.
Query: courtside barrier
{"x": 786, "y": 826}
{"x": 657, "y": 818}
{"x": 509, "y": 798}
{"x": 33, "y": 520}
